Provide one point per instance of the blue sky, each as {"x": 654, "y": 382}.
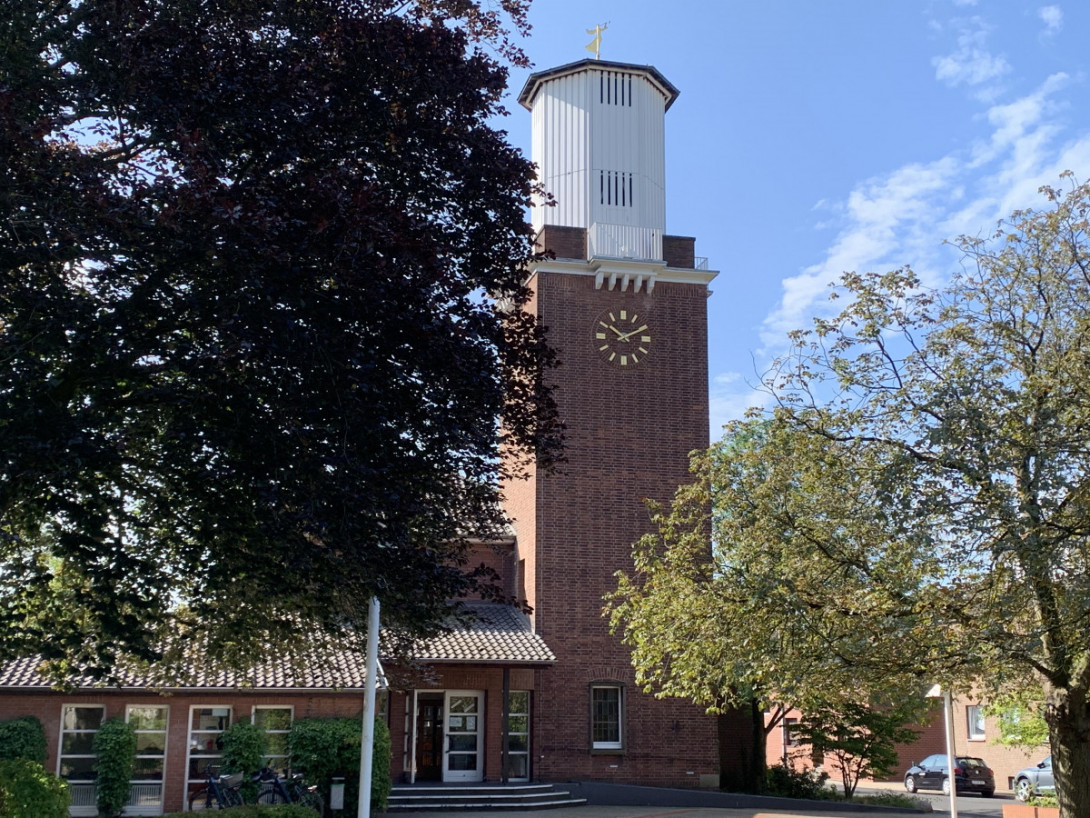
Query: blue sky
{"x": 817, "y": 136}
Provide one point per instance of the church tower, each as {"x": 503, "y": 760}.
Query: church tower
{"x": 624, "y": 304}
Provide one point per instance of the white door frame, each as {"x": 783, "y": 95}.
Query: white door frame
{"x": 467, "y": 729}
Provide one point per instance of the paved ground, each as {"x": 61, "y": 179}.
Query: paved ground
{"x": 969, "y": 806}
{"x": 650, "y": 812}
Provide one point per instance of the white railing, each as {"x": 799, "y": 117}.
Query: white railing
{"x": 700, "y": 262}
{"x": 83, "y": 795}
{"x": 624, "y": 241}
{"x": 144, "y": 799}
{"x": 144, "y": 796}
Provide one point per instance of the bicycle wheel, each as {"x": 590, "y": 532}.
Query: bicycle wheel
{"x": 271, "y": 797}
{"x": 204, "y": 799}
{"x": 232, "y": 797}
{"x": 312, "y": 799}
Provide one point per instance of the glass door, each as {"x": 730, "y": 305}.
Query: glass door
{"x": 463, "y": 758}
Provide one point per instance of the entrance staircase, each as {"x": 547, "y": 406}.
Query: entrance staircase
{"x": 453, "y": 797}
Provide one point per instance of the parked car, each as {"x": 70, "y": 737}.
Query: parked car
{"x": 1034, "y": 780}
{"x": 970, "y": 775}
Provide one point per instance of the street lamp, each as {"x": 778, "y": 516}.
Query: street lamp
{"x": 948, "y": 718}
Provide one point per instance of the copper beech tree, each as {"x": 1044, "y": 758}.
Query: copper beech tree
{"x": 917, "y": 504}
{"x": 260, "y": 269}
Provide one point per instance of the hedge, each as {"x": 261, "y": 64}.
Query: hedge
{"x": 326, "y": 748}
{"x": 23, "y": 737}
{"x": 28, "y": 791}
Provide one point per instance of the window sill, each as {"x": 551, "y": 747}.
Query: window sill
{"x": 607, "y": 751}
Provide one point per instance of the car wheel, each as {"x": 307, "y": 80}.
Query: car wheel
{"x": 1023, "y": 790}
{"x": 946, "y": 786}
{"x": 910, "y": 783}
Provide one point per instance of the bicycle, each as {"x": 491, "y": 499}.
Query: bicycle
{"x": 219, "y": 791}
{"x": 275, "y": 790}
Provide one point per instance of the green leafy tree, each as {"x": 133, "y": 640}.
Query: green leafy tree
{"x": 758, "y": 583}
{"x": 28, "y": 791}
{"x": 861, "y": 736}
{"x": 260, "y": 269}
{"x": 115, "y": 759}
{"x": 1020, "y": 721}
{"x": 976, "y": 398}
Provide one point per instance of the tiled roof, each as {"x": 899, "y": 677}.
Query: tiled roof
{"x": 336, "y": 670}
{"x": 499, "y": 634}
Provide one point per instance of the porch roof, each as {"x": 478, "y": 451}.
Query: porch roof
{"x": 499, "y": 634}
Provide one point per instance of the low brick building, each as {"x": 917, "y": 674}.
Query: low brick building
{"x": 975, "y": 734}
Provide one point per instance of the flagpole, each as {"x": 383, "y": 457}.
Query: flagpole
{"x": 367, "y": 739}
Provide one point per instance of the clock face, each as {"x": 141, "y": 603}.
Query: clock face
{"x": 622, "y": 337}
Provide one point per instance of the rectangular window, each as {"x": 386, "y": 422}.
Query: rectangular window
{"x": 975, "y": 716}
{"x": 76, "y": 758}
{"x": 790, "y": 734}
{"x": 150, "y": 725}
{"x": 276, "y": 724}
{"x": 518, "y": 736}
{"x": 206, "y": 725}
{"x": 605, "y": 717}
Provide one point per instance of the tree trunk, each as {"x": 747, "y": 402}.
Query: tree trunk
{"x": 1069, "y": 737}
{"x": 759, "y": 763}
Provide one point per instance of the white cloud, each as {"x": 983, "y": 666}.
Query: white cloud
{"x": 1053, "y": 18}
{"x": 731, "y": 395}
{"x": 904, "y": 216}
{"x": 971, "y": 63}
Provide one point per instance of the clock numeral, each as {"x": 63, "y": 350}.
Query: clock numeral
{"x": 645, "y": 338}
{"x": 624, "y": 360}
{"x": 612, "y": 355}
{"x": 601, "y": 336}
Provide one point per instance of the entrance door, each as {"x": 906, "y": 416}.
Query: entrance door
{"x": 429, "y": 737}
{"x": 463, "y": 759}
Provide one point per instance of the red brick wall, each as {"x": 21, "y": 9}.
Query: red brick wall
{"x": 47, "y": 707}
{"x": 629, "y": 435}
{"x": 678, "y": 251}
{"x": 564, "y": 242}
{"x": 520, "y": 503}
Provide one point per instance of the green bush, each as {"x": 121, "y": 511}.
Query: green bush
{"x": 23, "y": 737}
{"x": 28, "y": 791}
{"x": 326, "y": 748}
{"x": 115, "y": 757}
{"x": 790, "y": 783}
{"x": 244, "y": 752}
{"x": 256, "y": 811}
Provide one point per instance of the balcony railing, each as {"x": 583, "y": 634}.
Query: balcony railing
{"x": 624, "y": 241}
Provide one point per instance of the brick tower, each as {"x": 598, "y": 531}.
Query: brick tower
{"x": 625, "y": 306}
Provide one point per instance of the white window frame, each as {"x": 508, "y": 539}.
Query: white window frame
{"x": 79, "y": 787}
{"x": 274, "y": 761}
{"x": 191, "y": 784}
{"x": 975, "y": 727}
{"x": 525, "y": 734}
{"x": 146, "y": 808}
{"x": 610, "y": 745}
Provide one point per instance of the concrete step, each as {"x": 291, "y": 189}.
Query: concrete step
{"x": 480, "y": 797}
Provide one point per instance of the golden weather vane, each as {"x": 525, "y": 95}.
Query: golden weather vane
{"x": 595, "y": 45}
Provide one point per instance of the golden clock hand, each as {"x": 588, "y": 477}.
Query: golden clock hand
{"x": 620, "y": 335}
{"x": 627, "y": 335}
